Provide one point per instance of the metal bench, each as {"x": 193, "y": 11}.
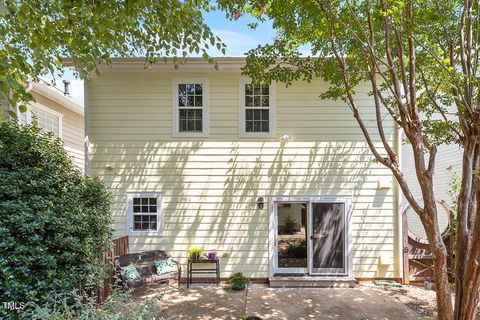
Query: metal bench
{"x": 144, "y": 262}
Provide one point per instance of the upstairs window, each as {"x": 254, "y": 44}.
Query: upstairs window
{"x": 46, "y": 118}
{"x": 257, "y": 109}
{"x": 144, "y": 214}
{"x": 190, "y": 108}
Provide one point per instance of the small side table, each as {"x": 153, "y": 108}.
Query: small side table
{"x": 191, "y": 269}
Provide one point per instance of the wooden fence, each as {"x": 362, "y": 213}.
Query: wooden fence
{"x": 120, "y": 247}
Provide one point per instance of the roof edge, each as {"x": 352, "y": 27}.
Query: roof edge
{"x": 49, "y": 92}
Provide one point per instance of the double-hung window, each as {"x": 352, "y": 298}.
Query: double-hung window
{"x": 144, "y": 214}
{"x": 257, "y": 109}
{"x": 190, "y": 107}
{"x": 46, "y": 118}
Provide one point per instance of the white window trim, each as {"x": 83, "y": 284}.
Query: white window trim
{"x": 138, "y": 233}
{"x": 175, "y": 108}
{"x": 272, "y": 111}
{"x": 28, "y": 118}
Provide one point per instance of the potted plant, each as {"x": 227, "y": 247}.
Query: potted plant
{"x": 290, "y": 225}
{"x": 195, "y": 253}
{"x": 237, "y": 281}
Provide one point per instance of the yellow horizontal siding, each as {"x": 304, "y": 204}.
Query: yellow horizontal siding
{"x": 210, "y": 185}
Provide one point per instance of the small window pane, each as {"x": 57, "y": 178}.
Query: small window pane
{"x": 249, "y": 101}
{"x": 198, "y": 89}
{"x": 182, "y": 89}
{"x": 265, "y": 101}
{"x": 248, "y": 89}
{"x": 153, "y": 209}
{"x": 198, "y": 101}
{"x": 182, "y": 101}
{"x": 191, "y": 89}
{"x": 136, "y": 200}
{"x": 265, "y": 90}
{"x": 183, "y": 114}
{"x": 137, "y": 226}
{"x": 249, "y": 126}
{"x": 190, "y": 101}
{"x": 190, "y": 125}
{"x": 144, "y": 208}
{"x": 265, "y": 126}
{"x": 265, "y": 114}
{"x": 137, "y": 218}
{"x": 256, "y": 115}
{"x": 256, "y": 126}
{"x": 256, "y": 89}
{"x": 153, "y": 201}
{"x": 136, "y": 209}
{"x": 144, "y": 200}
{"x": 145, "y": 225}
{"x": 249, "y": 114}
{"x": 198, "y": 125}
{"x": 183, "y": 125}
{"x": 256, "y": 101}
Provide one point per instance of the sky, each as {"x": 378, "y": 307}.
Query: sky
{"x": 238, "y": 37}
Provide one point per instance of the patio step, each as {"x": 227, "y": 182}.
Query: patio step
{"x": 311, "y": 282}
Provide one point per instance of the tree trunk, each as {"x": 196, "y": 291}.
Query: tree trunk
{"x": 440, "y": 267}
{"x": 467, "y": 247}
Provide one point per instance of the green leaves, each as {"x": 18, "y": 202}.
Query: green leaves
{"x": 55, "y": 223}
{"x": 34, "y": 36}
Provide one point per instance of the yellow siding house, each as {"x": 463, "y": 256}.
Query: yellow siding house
{"x": 274, "y": 179}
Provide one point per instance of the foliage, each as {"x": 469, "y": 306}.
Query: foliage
{"x": 453, "y": 191}
{"x": 55, "y": 222}
{"x": 290, "y": 225}
{"x": 118, "y": 307}
{"x": 36, "y": 36}
{"x": 296, "y": 248}
{"x": 195, "y": 253}
{"x": 237, "y": 281}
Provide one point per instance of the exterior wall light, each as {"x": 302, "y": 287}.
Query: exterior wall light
{"x": 260, "y": 202}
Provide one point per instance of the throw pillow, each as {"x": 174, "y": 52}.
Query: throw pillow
{"x": 164, "y": 266}
{"x": 131, "y": 273}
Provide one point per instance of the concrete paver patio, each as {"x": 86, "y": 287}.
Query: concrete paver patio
{"x": 204, "y": 302}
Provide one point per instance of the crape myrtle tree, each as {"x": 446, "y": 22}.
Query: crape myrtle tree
{"x": 35, "y": 36}
{"x": 420, "y": 60}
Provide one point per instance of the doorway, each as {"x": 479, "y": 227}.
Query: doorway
{"x": 310, "y": 236}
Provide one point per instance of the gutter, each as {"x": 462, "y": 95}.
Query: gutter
{"x": 194, "y": 63}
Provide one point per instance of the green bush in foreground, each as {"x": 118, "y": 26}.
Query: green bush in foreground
{"x": 55, "y": 223}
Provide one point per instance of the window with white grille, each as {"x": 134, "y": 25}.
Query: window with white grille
{"x": 257, "y": 109}
{"x": 144, "y": 214}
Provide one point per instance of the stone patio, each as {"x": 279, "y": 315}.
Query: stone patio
{"x": 209, "y": 302}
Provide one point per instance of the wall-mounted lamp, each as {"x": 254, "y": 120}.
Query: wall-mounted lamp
{"x": 260, "y": 202}
{"x": 285, "y": 138}
{"x": 109, "y": 167}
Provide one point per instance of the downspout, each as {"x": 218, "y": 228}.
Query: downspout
{"x": 399, "y": 196}
{"x": 86, "y": 118}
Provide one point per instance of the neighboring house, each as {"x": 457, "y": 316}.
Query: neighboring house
{"x": 447, "y": 165}
{"x": 274, "y": 179}
{"x": 57, "y": 112}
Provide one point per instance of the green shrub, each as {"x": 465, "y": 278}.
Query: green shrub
{"x": 296, "y": 248}
{"x": 237, "y": 281}
{"x": 290, "y": 225}
{"x": 55, "y": 222}
{"x": 118, "y": 306}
